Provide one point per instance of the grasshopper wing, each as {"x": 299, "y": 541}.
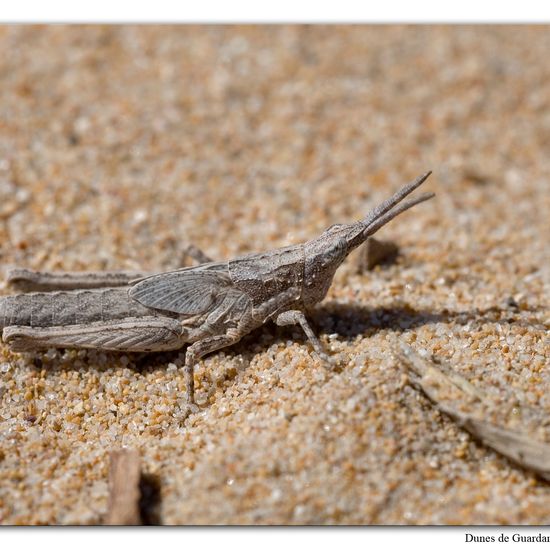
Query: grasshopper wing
{"x": 189, "y": 291}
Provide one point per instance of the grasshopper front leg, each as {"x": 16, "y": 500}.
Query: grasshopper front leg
{"x": 288, "y": 299}
{"x": 297, "y": 317}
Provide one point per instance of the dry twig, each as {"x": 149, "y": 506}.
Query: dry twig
{"x": 448, "y": 390}
{"x": 124, "y": 479}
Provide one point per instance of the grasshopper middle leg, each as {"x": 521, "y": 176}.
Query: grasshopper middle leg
{"x": 201, "y": 348}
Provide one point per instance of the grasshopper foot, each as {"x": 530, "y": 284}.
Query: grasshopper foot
{"x": 297, "y": 317}
{"x": 330, "y": 362}
{"x": 183, "y": 411}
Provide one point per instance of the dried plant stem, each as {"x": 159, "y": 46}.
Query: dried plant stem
{"x": 438, "y": 384}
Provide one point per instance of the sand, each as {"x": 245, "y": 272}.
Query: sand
{"x": 120, "y": 146}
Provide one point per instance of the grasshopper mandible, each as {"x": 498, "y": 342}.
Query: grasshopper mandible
{"x": 209, "y": 306}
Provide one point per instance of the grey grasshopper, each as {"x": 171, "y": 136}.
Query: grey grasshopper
{"x": 207, "y": 307}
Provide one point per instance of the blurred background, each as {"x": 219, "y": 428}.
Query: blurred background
{"x": 120, "y": 143}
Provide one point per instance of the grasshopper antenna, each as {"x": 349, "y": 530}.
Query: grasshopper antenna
{"x": 388, "y": 204}
{"x": 385, "y": 212}
{"x": 383, "y": 220}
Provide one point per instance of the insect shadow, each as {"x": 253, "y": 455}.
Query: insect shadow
{"x": 348, "y": 321}
{"x": 149, "y": 503}
{"x": 351, "y": 320}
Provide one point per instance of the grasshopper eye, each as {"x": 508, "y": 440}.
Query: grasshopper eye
{"x": 334, "y": 227}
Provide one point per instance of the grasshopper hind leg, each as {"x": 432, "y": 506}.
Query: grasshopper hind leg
{"x": 130, "y": 335}
{"x": 28, "y": 280}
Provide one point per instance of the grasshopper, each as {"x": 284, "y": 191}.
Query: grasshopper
{"x": 207, "y": 307}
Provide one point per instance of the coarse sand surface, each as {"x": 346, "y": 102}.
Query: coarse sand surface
{"x": 122, "y": 145}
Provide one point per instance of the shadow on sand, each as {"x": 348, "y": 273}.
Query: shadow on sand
{"x": 346, "y": 320}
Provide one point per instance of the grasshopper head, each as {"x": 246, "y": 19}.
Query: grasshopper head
{"x": 323, "y": 256}
{"x": 326, "y": 253}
